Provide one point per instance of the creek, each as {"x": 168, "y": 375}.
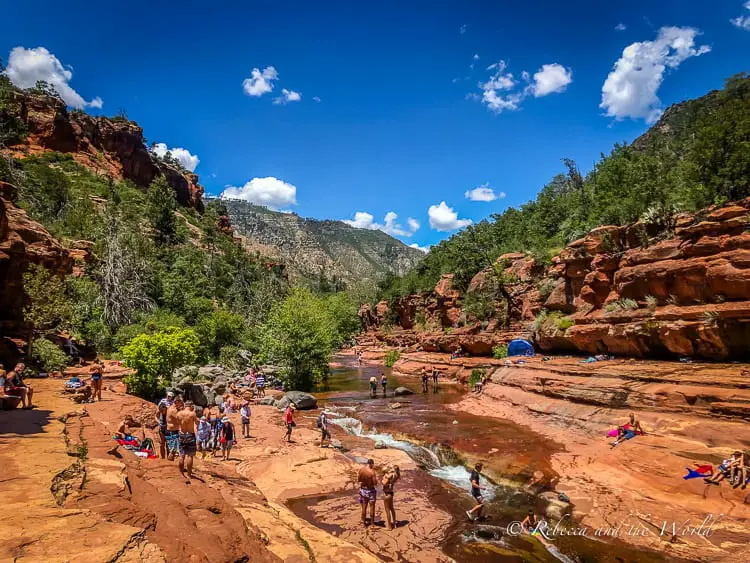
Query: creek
{"x": 444, "y": 443}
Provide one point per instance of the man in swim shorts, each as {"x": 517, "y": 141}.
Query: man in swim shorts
{"x": 187, "y": 422}
{"x": 368, "y": 494}
{"x": 476, "y": 492}
{"x": 172, "y": 432}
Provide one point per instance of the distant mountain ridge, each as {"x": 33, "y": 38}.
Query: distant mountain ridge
{"x": 320, "y": 249}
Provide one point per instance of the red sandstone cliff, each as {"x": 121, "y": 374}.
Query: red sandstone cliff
{"x": 114, "y": 147}
{"x": 619, "y": 290}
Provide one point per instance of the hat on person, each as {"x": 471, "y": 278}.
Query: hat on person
{"x": 203, "y": 417}
{"x": 225, "y": 419}
{"x": 170, "y": 395}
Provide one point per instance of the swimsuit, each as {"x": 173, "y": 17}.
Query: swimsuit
{"x": 369, "y": 494}
{"x": 173, "y": 440}
{"x": 187, "y": 443}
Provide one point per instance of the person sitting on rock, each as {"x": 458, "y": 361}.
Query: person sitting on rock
{"x": 635, "y": 424}
{"x": 529, "y": 523}
{"x": 123, "y": 430}
{"x": 725, "y": 469}
{"x": 20, "y": 387}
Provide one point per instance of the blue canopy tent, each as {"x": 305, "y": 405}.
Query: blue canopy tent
{"x": 520, "y": 347}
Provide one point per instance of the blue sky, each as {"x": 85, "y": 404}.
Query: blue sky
{"x": 403, "y": 123}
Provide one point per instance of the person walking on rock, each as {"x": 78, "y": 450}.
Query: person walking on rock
{"x": 187, "y": 422}
{"x": 97, "y": 373}
{"x": 425, "y": 380}
{"x": 173, "y": 426}
{"x": 434, "y": 379}
{"x": 322, "y": 423}
{"x": 227, "y": 439}
{"x": 373, "y": 387}
{"x": 289, "y": 419}
{"x": 383, "y": 383}
{"x": 368, "y": 494}
{"x": 245, "y": 417}
{"x": 260, "y": 383}
{"x": 389, "y": 480}
{"x": 476, "y": 492}
{"x": 204, "y": 436}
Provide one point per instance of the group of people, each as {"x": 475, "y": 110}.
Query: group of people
{"x": 736, "y": 469}
{"x": 257, "y": 382}
{"x": 367, "y": 479}
{"x": 374, "y": 385}
{"x": 426, "y": 380}
{"x": 183, "y": 434}
{"x": 13, "y": 385}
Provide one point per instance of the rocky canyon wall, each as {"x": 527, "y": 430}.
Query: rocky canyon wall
{"x": 633, "y": 291}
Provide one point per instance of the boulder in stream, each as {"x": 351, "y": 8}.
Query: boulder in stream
{"x": 303, "y": 401}
{"x": 401, "y": 391}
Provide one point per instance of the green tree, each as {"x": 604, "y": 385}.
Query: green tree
{"x": 155, "y": 356}
{"x": 343, "y": 312}
{"x": 219, "y": 329}
{"x": 47, "y": 308}
{"x": 299, "y": 334}
{"x": 161, "y": 211}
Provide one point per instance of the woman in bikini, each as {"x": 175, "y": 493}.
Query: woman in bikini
{"x": 389, "y": 480}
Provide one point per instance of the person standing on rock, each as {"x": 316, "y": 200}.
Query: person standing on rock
{"x": 227, "y": 439}
{"x": 373, "y": 387}
{"x": 476, "y": 492}
{"x": 245, "y": 417}
{"x": 161, "y": 420}
{"x": 389, "y": 480}
{"x": 173, "y": 425}
{"x": 425, "y": 380}
{"x": 322, "y": 423}
{"x": 260, "y": 383}
{"x": 97, "y": 373}
{"x": 289, "y": 419}
{"x": 434, "y": 379}
{"x": 368, "y": 493}
{"x": 383, "y": 383}
{"x": 204, "y": 436}
{"x": 187, "y": 422}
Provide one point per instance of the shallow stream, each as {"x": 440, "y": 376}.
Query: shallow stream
{"x": 443, "y": 443}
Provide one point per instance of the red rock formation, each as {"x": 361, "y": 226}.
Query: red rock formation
{"x": 625, "y": 290}
{"x": 24, "y": 242}
{"x": 114, "y": 147}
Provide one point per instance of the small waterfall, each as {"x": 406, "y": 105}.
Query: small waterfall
{"x": 439, "y": 461}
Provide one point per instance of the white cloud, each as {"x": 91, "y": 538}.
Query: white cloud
{"x": 183, "y": 156}
{"x": 424, "y": 249}
{"x": 743, "y": 22}
{"x": 551, "y": 79}
{"x": 443, "y": 218}
{"x": 260, "y": 82}
{"x": 287, "y": 96}
{"x": 499, "y": 91}
{"x": 364, "y": 220}
{"x": 27, "y": 66}
{"x": 475, "y": 57}
{"x": 631, "y": 87}
{"x": 463, "y": 29}
{"x": 621, "y": 27}
{"x": 316, "y": 99}
{"x": 269, "y": 191}
{"x": 483, "y": 193}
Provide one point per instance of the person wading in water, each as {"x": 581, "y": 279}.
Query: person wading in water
{"x": 476, "y": 492}
{"x": 389, "y": 480}
{"x": 434, "y": 379}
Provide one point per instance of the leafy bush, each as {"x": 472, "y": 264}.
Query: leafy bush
{"x": 500, "y": 351}
{"x": 651, "y": 302}
{"x": 48, "y": 356}
{"x": 549, "y": 323}
{"x": 621, "y": 305}
{"x": 155, "y": 356}
{"x": 478, "y": 305}
{"x": 476, "y": 376}
{"x": 229, "y": 357}
{"x": 391, "y": 358}
{"x": 545, "y": 288}
{"x": 564, "y": 323}
{"x": 219, "y": 329}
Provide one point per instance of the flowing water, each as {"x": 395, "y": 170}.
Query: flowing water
{"x": 441, "y": 441}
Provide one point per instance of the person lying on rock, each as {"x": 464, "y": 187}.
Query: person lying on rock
{"x": 725, "y": 469}
{"x": 187, "y": 422}
{"x": 123, "y": 430}
{"x": 368, "y": 494}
